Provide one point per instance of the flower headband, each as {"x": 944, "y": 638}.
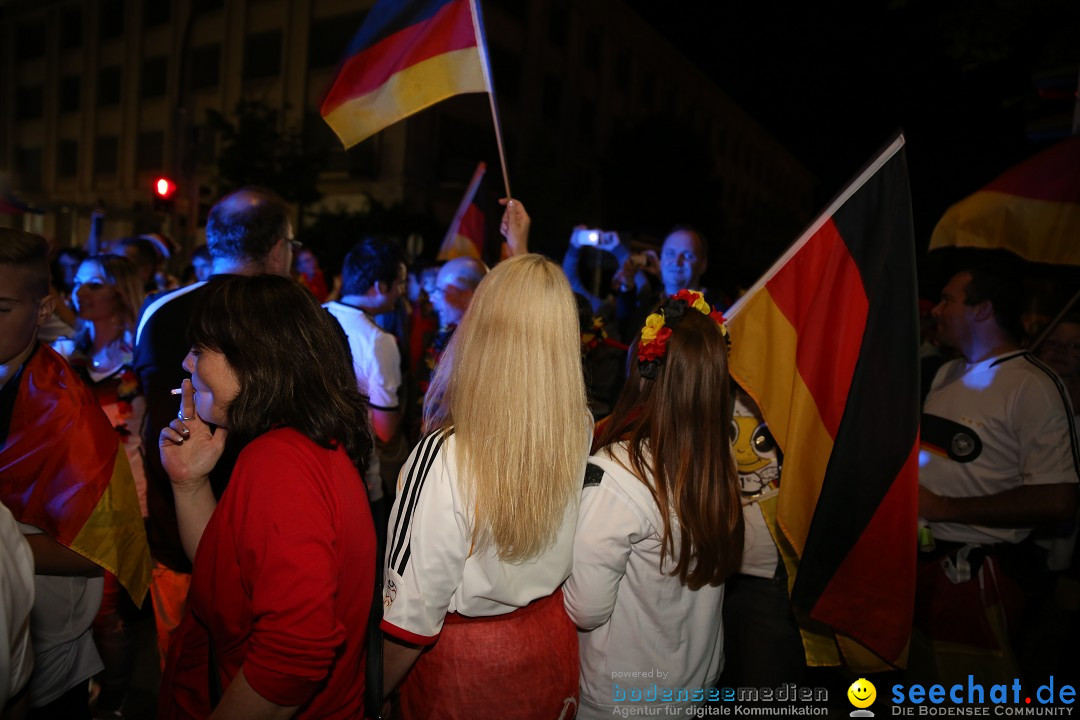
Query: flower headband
{"x": 657, "y": 330}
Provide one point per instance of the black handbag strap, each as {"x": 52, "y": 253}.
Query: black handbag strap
{"x": 373, "y": 670}
{"x": 213, "y": 676}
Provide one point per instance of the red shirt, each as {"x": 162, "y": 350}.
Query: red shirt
{"x": 282, "y": 580}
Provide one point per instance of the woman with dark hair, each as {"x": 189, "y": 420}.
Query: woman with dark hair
{"x": 660, "y": 526}
{"x": 284, "y": 563}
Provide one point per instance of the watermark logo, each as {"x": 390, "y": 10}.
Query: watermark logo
{"x": 862, "y": 694}
{"x": 1052, "y": 698}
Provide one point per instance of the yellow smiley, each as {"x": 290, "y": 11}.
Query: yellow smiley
{"x": 862, "y": 693}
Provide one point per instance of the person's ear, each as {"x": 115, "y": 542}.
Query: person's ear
{"x": 45, "y": 309}
{"x": 984, "y": 311}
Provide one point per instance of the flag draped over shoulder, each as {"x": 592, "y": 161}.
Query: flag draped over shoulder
{"x": 465, "y": 237}
{"x": 826, "y": 343}
{"x": 407, "y": 55}
{"x": 1033, "y": 209}
{"x": 62, "y": 470}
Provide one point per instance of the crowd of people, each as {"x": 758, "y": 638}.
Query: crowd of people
{"x": 450, "y": 490}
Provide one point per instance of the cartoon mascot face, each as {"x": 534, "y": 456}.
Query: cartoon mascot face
{"x": 756, "y": 455}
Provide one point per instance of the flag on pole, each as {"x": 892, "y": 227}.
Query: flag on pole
{"x": 465, "y": 236}
{"x": 407, "y": 56}
{"x": 827, "y": 345}
{"x": 1033, "y": 209}
{"x": 62, "y": 470}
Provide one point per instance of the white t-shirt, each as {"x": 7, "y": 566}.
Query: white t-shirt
{"x": 635, "y": 621}
{"x": 16, "y": 601}
{"x": 377, "y": 364}
{"x": 64, "y": 651}
{"x": 991, "y": 427}
{"x": 431, "y": 568}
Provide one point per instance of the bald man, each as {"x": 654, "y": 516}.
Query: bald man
{"x": 454, "y": 287}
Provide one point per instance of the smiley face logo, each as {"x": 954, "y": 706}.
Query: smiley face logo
{"x": 862, "y": 693}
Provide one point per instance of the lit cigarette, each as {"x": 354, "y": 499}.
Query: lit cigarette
{"x": 176, "y": 391}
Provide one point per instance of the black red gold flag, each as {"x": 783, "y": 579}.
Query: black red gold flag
{"x": 827, "y": 345}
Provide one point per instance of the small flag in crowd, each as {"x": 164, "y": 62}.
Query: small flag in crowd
{"x": 407, "y": 56}
{"x": 465, "y": 237}
{"x": 827, "y": 344}
{"x": 1033, "y": 209}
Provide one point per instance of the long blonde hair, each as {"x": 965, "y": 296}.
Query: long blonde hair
{"x": 510, "y": 383}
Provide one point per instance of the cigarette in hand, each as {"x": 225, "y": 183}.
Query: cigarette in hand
{"x": 176, "y": 391}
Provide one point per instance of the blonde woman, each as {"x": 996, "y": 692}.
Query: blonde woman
{"x": 482, "y": 530}
{"x": 107, "y": 294}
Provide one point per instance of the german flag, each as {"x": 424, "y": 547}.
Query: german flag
{"x": 826, "y": 343}
{"x": 465, "y": 237}
{"x": 62, "y": 470}
{"x": 1033, "y": 209}
{"x": 407, "y": 56}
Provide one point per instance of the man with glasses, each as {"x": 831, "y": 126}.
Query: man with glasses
{"x": 683, "y": 258}
{"x": 248, "y": 232}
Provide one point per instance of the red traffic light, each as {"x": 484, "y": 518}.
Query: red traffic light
{"x": 164, "y": 188}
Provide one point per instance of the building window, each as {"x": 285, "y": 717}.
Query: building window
{"x": 329, "y": 39}
{"x": 106, "y": 150}
{"x": 29, "y": 42}
{"x": 206, "y": 144}
{"x": 154, "y": 78}
{"x": 70, "y": 99}
{"x": 262, "y": 55}
{"x": 111, "y": 19}
{"x": 28, "y": 165}
{"x": 205, "y": 66}
{"x": 506, "y": 67}
{"x": 71, "y": 28}
{"x": 109, "y": 85}
{"x": 67, "y": 159}
{"x": 156, "y": 12}
{"x": 150, "y": 151}
{"x": 29, "y": 102}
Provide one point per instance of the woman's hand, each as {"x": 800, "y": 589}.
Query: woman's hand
{"x": 189, "y": 451}
{"x": 515, "y": 226}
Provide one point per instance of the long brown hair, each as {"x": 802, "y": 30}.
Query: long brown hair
{"x": 677, "y": 428}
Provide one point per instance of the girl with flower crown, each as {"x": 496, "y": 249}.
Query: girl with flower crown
{"x": 660, "y": 526}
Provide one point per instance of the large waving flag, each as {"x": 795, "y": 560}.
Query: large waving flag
{"x": 408, "y": 55}
{"x": 465, "y": 236}
{"x": 826, "y": 343}
{"x": 1033, "y": 209}
{"x": 63, "y": 471}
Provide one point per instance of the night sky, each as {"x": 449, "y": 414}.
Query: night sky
{"x": 832, "y": 81}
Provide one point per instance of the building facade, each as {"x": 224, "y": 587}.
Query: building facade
{"x": 100, "y": 97}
